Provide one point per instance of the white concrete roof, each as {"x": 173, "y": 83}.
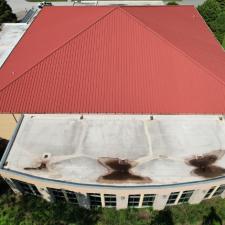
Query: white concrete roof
{"x": 9, "y": 37}
{"x": 159, "y": 150}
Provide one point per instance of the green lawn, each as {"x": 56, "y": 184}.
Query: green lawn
{"x": 29, "y": 210}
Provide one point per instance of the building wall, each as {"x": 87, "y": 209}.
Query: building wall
{"x": 8, "y": 124}
{"x": 123, "y": 198}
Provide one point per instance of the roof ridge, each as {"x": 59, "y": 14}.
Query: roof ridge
{"x": 176, "y": 48}
{"x": 61, "y": 46}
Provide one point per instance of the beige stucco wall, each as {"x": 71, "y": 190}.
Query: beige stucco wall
{"x": 7, "y": 125}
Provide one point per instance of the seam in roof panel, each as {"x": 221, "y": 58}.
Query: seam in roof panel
{"x": 210, "y": 73}
{"x": 65, "y": 43}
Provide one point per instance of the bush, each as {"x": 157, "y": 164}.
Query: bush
{"x": 172, "y": 3}
{"x": 222, "y": 4}
{"x": 213, "y": 12}
{"x": 218, "y": 27}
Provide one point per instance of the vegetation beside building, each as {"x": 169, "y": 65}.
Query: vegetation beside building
{"x": 30, "y": 210}
{"x": 213, "y": 12}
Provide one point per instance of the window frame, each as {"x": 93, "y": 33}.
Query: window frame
{"x": 110, "y": 200}
{"x": 26, "y": 188}
{"x": 219, "y": 190}
{"x": 95, "y": 198}
{"x": 148, "y": 200}
{"x": 185, "y": 196}
{"x": 171, "y": 200}
{"x": 133, "y": 202}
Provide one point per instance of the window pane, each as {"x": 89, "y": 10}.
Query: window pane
{"x": 57, "y": 194}
{"x": 95, "y": 200}
{"x": 172, "y": 198}
{"x": 26, "y": 188}
{"x": 133, "y": 200}
{"x": 185, "y": 196}
{"x": 219, "y": 190}
{"x": 148, "y": 199}
{"x": 71, "y": 196}
{"x": 209, "y": 192}
{"x": 110, "y": 200}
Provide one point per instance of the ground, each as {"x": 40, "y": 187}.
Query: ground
{"x": 21, "y": 6}
{"x": 30, "y": 210}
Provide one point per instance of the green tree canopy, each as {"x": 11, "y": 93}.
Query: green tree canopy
{"x": 218, "y": 27}
{"x": 6, "y": 14}
{"x": 172, "y": 3}
{"x": 222, "y": 4}
{"x": 209, "y": 10}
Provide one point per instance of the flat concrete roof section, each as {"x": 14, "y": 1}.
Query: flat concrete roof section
{"x": 9, "y": 36}
{"x": 120, "y": 150}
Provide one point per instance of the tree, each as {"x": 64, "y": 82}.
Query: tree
{"x": 223, "y": 44}
{"x": 6, "y": 14}
{"x": 222, "y": 4}
{"x": 172, "y": 3}
{"x": 209, "y": 10}
{"x": 218, "y": 27}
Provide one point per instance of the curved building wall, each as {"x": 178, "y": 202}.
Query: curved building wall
{"x": 89, "y": 196}
{"x": 159, "y": 160}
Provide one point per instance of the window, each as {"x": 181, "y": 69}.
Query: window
{"x": 110, "y": 200}
{"x": 64, "y": 195}
{"x": 219, "y": 190}
{"x": 133, "y": 200}
{"x": 26, "y": 188}
{"x": 172, "y": 198}
{"x": 57, "y": 194}
{"x": 71, "y": 197}
{"x": 185, "y": 196}
{"x": 95, "y": 200}
{"x": 209, "y": 192}
{"x": 148, "y": 199}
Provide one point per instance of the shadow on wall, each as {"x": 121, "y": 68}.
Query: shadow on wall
{"x": 3, "y": 186}
{"x": 3, "y": 144}
{"x": 212, "y": 219}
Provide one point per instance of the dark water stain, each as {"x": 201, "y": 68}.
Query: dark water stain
{"x": 41, "y": 167}
{"x": 203, "y": 161}
{"x": 119, "y": 171}
{"x": 204, "y": 166}
{"x": 209, "y": 171}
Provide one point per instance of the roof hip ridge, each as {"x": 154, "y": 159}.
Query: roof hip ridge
{"x": 210, "y": 73}
{"x": 61, "y": 46}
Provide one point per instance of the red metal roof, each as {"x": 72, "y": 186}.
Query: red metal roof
{"x": 153, "y": 60}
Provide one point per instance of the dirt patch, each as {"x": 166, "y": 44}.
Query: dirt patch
{"x": 204, "y": 165}
{"x": 119, "y": 171}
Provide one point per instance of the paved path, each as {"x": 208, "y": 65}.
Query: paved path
{"x": 21, "y": 6}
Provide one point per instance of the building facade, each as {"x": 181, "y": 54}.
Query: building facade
{"x": 169, "y": 187}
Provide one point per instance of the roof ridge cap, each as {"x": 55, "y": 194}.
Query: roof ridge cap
{"x": 61, "y": 46}
{"x": 210, "y": 73}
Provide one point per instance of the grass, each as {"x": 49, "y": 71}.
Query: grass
{"x": 27, "y": 210}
